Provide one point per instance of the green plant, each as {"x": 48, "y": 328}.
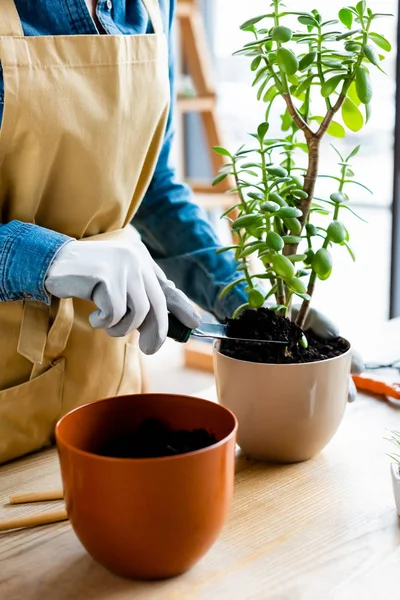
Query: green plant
{"x": 395, "y": 440}
{"x": 278, "y": 214}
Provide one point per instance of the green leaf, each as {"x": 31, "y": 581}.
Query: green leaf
{"x": 371, "y": 54}
{"x": 304, "y": 85}
{"x": 346, "y": 17}
{"x": 363, "y": 85}
{"x": 219, "y": 178}
{"x": 247, "y": 221}
{"x": 225, "y": 249}
{"x": 381, "y": 41}
{"x": 287, "y": 61}
{"x": 262, "y": 88}
{"x": 346, "y": 35}
{"x": 256, "y": 298}
{"x": 329, "y": 86}
{"x": 255, "y": 63}
{"x": 352, "y": 94}
{"x": 270, "y": 94}
{"x": 307, "y": 60}
{"x": 286, "y": 121}
{"x": 270, "y": 207}
{"x": 336, "y": 232}
{"x": 291, "y": 239}
{"x": 353, "y": 153}
{"x": 239, "y": 310}
{"x": 274, "y": 241}
{"x": 322, "y": 263}
{"x": 289, "y": 212}
{"x": 230, "y": 287}
{"x": 360, "y": 7}
{"x": 260, "y": 74}
{"x": 305, "y": 20}
{"x": 338, "y": 197}
{"x": 277, "y": 171}
{"x": 262, "y": 130}
{"x": 222, "y": 151}
{"x": 352, "y": 116}
{"x": 296, "y": 285}
{"x": 350, "y": 250}
{"x": 251, "y": 22}
{"x": 367, "y": 112}
{"x": 281, "y": 34}
{"x": 282, "y": 266}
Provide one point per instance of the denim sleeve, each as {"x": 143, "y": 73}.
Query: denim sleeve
{"x": 26, "y": 253}
{"x": 179, "y": 236}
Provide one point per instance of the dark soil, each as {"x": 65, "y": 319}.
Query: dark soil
{"x": 267, "y": 325}
{"x": 152, "y": 439}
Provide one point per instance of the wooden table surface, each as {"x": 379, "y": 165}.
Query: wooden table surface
{"x": 325, "y": 529}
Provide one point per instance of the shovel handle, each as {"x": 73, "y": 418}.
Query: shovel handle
{"x": 178, "y": 331}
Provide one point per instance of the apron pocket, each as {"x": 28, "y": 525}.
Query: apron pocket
{"x": 131, "y": 381}
{"x": 29, "y": 413}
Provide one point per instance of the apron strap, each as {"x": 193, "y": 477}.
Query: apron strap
{"x": 10, "y": 23}
{"x": 153, "y": 8}
{"x": 37, "y": 343}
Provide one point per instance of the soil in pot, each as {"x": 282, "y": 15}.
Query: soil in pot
{"x": 266, "y": 324}
{"x": 153, "y": 439}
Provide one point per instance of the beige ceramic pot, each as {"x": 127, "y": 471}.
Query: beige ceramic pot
{"x": 286, "y": 413}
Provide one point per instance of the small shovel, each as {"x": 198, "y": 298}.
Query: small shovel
{"x": 180, "y": 333}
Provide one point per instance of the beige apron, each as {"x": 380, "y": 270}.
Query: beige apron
{"x": 83, "y": 125}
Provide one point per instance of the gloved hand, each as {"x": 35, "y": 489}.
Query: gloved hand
{"x": 129, "y": 289}
{"x": 324, "y": 328}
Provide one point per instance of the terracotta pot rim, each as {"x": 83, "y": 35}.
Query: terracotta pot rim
{"x": 292, "y": 365}
{"x": 72, "y": 448}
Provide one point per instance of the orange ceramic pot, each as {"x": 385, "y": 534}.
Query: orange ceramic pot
{"x": 146, "y": 518}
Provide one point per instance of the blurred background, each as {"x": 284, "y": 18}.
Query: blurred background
{"x": 216, "y": 100}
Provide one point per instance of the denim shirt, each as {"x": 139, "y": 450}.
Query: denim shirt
{"x": 175, "y": 230}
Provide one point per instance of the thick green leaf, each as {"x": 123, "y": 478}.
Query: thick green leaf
{"x": 352, "y": 94}
{"x": 262, "y": 130}
{"x": 282, "y": 266}
{"x": 346, "y": 35}
{"x": 247, "y": 221}
{"x": 270, "y": 207}
{"x": 287, "y": 61}
{"x": 352, "y": 116}
{"x": 363, "y": 85}
{"x": 255, "y": 63}
{"x": 307, "y": 61}
{"x": 322, "y": 263}
{"x": 360, "y": 7}
{"x": 330, "y": 85}
{"x": 223, "y": 151}
{"x": 289, "y": 212}
{"x": 274, "y": 241}
{"x": 304, "y": 85}
{"x": 251, "y": 22}
{"x": 291, "y": 239}
{"x": 346, "y": 17}
{"x": 338, "y": 197}
{"x": 371, "y": 54}
{"x": 281, "y": 34}
{"x": 277, "y": 171}
{"x": 353, "y": 153}
{"x": 305, "y": 20}
{"x": 230, "y": 287}
{"x": 256, "y": 298}
{"x": 367, "y": 112}
{"x": 263, "y": 72}
{"x": 219, "y": 178}
{"x": 381, "y": 41}
{"x": 296, "y": 285}
{"x": 336, "y": 232}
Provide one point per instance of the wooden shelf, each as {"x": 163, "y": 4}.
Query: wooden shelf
{"x": 197, "y": 104}
{"x": 199, "y": 355}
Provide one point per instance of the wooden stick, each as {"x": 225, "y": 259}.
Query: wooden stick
{"x": 44, "y": 518}
{"x": 37, "y": 497}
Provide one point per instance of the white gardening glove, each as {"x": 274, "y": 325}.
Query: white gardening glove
{"x": 324, "y": 328}
{"x": 129, "y": 289}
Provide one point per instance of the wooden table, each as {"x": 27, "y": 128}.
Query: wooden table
{"x": 326, "y": 529}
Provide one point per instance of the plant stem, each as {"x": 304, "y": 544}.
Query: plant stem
{"x": 280, "y": 294}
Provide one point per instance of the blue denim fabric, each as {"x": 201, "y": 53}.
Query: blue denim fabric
{"x": 175, "y": 230}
